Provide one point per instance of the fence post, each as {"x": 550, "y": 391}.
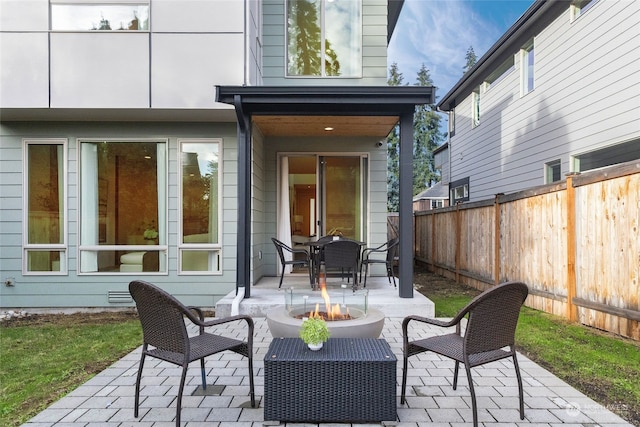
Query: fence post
{"x": 572, "y": 314}
{"x": 496, "y": 240}
{"x": 457, "y": 240}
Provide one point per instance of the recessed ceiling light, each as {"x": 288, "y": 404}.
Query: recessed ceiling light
{"x": 328, "y": 128}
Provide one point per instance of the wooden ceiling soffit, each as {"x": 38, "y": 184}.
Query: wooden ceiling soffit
{"x": 285, "y": 125}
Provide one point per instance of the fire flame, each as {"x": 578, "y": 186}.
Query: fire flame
{"x": 332, "y": 312}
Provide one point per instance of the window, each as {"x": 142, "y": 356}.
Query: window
{"x": 324, "y": 38}
{"x": 123, "y": 206}
{"x": 526, "y": 66}
{"x": 452, "y": 122}
{"x": 612, "y": 155}
{"x": 99, "y": 15}
{"x": 435, "y": 204}
{"x": 475, "y": 105}
{"x": 552, "y": 172}
{"x": 200, "y": 171}
{"x": 578, "y": 7}
{"x": 45, "y": 211}
{"x": 459, "y": 191}
{"x": 505, "y": 68}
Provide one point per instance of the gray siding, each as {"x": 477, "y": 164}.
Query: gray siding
{"x": 586, "y": 97}
{"x": 374, "y": 47}
{"x": 86, "y": 290}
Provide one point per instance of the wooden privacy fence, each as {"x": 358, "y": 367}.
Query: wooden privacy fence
{"x": 576, "y": 244}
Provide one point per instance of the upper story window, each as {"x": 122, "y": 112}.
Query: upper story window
{"x": 475, "y": 105}
{"x": 200, "y": 170}
{"x": 45, "y": 248}
{"x": 527, "y": 68}
{"x": 578, "y": 7}
{"x": 123, "y": 206}
{"x": 459, "y": 191}
{"x": 324, "y": 38}
{"x": 99, "y": 15}
{"x": 505, "y": 68}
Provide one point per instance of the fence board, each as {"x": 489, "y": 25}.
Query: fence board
{"x": 533, "y": 245}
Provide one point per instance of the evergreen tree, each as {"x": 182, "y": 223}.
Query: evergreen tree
{"x": 393, "y": 161}
{"x": 470, "y": 59}
{"x": 426, "y": 138}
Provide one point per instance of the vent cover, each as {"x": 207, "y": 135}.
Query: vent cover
{"x": 119, "y": 297}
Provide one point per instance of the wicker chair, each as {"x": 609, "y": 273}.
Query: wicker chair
{"x": 342, "y": 254}
{"x": 490, "y": 329}
{"x": 163, "y": 327}
{"x": 281, "y": 248}
{"x": 371, "y": 256}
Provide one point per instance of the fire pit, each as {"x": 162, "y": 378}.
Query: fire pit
{"x": 347, "y": 313}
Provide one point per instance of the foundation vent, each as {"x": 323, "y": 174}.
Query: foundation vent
{"x": 119, "y": 297}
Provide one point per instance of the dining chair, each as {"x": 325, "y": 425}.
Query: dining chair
{"x": 281, "y": 248}
{"x": 489, "y": 335}
{"x": 375, "y": 255}
{"x": 342, "y": 254}
{"x": 165, "y": 336}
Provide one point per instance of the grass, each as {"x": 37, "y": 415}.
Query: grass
{"x": 602, "y": 366}
{"x": 43, "y": 362}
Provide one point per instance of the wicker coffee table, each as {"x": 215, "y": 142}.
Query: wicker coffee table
{"x": 348, "y": 380}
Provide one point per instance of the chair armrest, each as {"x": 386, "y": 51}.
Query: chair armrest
{"x": 436, "y": 322}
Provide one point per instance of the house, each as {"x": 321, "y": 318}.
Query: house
{"x": 434, "y": 197}
{"x": 168, "y": 141}
{"x": 558, "y": 93}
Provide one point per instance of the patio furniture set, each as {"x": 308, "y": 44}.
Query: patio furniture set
{"x": 338, "y": 253}
{"x": 350, "y": 379}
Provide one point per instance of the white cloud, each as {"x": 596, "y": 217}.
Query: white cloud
{"x": 438, "y": 34}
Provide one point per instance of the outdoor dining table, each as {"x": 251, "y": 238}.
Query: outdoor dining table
{"x": 315, "y": 251}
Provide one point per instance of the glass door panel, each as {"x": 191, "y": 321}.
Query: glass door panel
{"x": 341, "y": 196}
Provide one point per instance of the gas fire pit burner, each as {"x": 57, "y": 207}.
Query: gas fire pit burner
{"x": 348, "y": 317}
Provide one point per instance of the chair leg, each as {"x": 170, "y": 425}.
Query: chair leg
{"x": 520, "y": 391}
{"x": 251, "y": 386}
{"x": 138, "y": 378}
{"x": 282, "y": 275}
{"x": 474, "y": 407}
{"x": 455, "y": 375}
{"x": 180, "y": 390}
{"x": 204, "y": 377}
{"x": 404, "y": 379}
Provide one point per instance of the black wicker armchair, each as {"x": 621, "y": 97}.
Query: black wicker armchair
{"x": 164, "y": 329}
{"x": 375, "y": 256}
{"x": 304, "y": 262}
{"x": 342, "y": 254}
{"x": 490, "y": 330}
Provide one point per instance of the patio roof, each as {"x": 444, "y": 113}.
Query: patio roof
{"x": 263, "y": 105}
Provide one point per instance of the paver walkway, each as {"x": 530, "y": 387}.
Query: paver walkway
{"x": 107, "y": 399}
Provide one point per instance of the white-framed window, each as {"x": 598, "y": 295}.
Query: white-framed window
{"x": 452, "y": 122}
{"x": 579, "y": 7}
{"x": 527, "y": 63}
{"x": 437, "y": 203}
{"x": 459, "y": 191}
{"x": 475, "y": 107}
{"x": 324, "y": 38}
{"x": 607, "y": 156}
{"x": 500, "y": 73}
{"x": 45, "y": 207}
{"x": 552, "y": 171}
{"x": 99, "y": 15}
{"x": 200, "y": 174}
{"x": 123, "y": 206}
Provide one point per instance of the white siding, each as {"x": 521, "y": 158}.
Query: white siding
{"x": 586, "y": 96}
{"x": 24, "y": 70}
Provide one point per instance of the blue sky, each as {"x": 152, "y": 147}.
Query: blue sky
{"x": 439, "y": 32}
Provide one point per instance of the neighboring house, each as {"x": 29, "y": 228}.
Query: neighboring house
{"x": 121, "y": 158}
{"x": 436, "y": 196}
{"x": 559, "y": 92}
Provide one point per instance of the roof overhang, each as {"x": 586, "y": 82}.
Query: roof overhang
{"x": 532, "y": 21}
{"x": 308, "y": 110}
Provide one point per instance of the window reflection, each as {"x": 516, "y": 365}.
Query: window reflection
{"x": 100, "y": 17}
{"x": 324, "y": 38}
